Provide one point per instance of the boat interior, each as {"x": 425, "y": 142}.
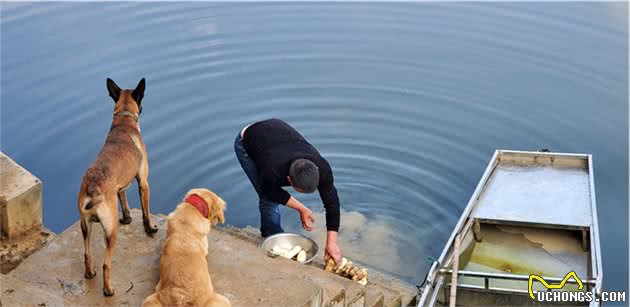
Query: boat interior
{"x": 531, "y": 214}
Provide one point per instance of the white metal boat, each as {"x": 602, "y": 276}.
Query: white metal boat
{"x": 531, "y": 221}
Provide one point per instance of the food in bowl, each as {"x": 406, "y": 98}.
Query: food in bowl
{"x": 289, "y": 252}
{"x": 282, "y": 244}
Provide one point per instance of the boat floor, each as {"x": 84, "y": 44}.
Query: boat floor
{"x": 523, "y": 251}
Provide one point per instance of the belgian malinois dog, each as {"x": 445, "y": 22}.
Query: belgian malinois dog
{"x": 122, "y": 159}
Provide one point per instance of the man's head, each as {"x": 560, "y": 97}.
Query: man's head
{"x": 304, "y": 176}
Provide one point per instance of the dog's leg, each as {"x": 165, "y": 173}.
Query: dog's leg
{"x": 151, "y": 301}
{"x": 124, "y": 206}
{"x": 109, "y": 222}
{"x": 219, "y": 301}
{"x": 86, "y": 230}
{"x": 143, "y": 188}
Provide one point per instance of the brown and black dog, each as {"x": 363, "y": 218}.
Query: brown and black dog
{"x": 122, "y": 159}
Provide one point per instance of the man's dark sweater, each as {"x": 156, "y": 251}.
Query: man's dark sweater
{"x": 274, "y": 145}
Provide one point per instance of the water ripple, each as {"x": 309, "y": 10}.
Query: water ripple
{"x": 407, "y": 101}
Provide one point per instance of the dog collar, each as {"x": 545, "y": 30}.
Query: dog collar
{"x": 134, "y": 116}
{"x": 198, "y": 202}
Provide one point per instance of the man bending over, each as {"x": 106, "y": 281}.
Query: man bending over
{"x": 274, "y": 155}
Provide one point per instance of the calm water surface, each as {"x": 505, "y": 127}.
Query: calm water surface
{"x": 407, "y": 101}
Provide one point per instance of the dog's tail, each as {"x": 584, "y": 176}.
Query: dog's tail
{"x": 94, "y": 198}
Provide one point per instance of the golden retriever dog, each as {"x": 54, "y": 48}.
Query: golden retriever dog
{"x": 184, "y": 276}
{"x": 122, "y": 160}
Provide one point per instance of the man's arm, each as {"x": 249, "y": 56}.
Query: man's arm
{"x": 332, "y": 249}
{"x": 328, "y": 194}
{"x": 306, "y": 216}
{"x": 272, "y": 190}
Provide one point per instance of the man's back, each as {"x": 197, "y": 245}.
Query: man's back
{"x": 263, "y": 139}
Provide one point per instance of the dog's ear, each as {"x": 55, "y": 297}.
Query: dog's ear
{"x": 113, "y": 89}
{"x": 222, "y": 217}
{"x": 138, "y": 93}
{"x": 218, "y": 206}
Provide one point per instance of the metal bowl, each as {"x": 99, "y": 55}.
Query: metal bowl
{"x": 293, "y": 239}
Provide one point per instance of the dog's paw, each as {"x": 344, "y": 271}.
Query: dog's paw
{"x": 108, "y": 292}
{"x": 90, "y": 275}
{"x": 150, "y": 230}
{"x": 125, "y": 220}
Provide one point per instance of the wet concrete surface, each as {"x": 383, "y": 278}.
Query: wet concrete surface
{"x": 14, "y": 250}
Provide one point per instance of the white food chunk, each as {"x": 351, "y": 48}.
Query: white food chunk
{"x": 294, "y": 251}
{"x": 343, "y": 263}
{"x": 277, "y": 250}
{"x": 301, "y": 257}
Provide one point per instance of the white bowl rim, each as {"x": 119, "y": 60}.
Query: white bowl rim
{"x": 280, "y": 234}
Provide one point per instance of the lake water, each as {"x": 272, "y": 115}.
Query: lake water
{"x": 407, "y": 101}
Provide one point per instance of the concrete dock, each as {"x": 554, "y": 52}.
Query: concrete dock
{"x": 21, "y": 227}
{"x": 54, "y": 275}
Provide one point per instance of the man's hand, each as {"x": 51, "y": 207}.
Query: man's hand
{"x": 332, "y": 250}
{"x": 306, "y": 216}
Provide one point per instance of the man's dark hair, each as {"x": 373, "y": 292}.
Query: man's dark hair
{"x": 304, "y": 175}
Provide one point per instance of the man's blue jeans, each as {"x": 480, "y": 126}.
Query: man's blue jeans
{"x": 269, "y": 211}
